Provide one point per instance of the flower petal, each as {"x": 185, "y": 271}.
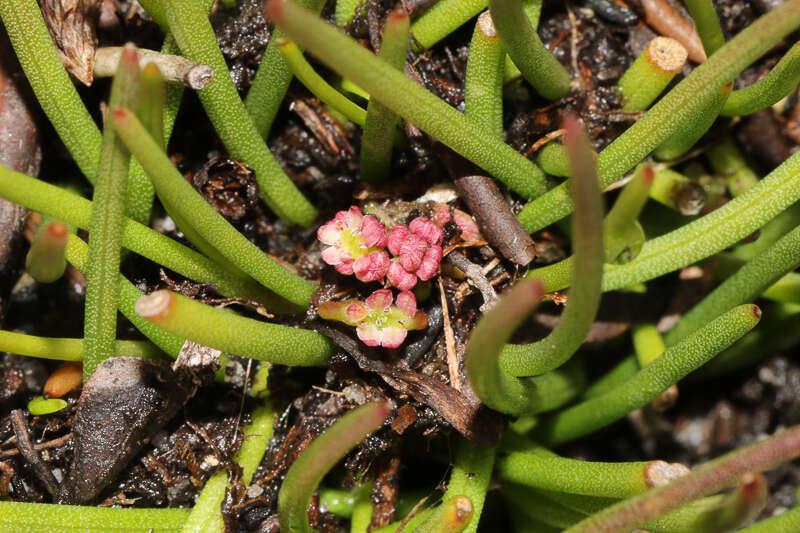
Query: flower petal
{"x": 397, "y": 236}
{"x": 430, "y": 263}
{"x": 329, "y": 233}
{"x": 371, "y": 267}
{"x": 441, "y": 216}
{"x": 427, "y": 230}
{"x": 333, "y": 311}
{"x": 332, "y": 255}
{"x": 345, "y": 268}
{"x": 353, "y": 217}
{"x": 355, "y": 313}
{"x": 399, "y": 277}
{"x": 380, "y": 300}
{"x": 393, "y": 336}
{"x": 373, "y": 233}
{"x": 469, "y": 229}
{"x": 369, "y": 334}
{"x": 407, "y": 303}
{"x": 412, "y": 252}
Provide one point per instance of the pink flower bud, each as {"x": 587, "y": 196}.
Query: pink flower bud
{"x": 469, "y": 229}
{"x": 427, "y": 230}
{"x": 380, "y": 300}
{"x": 356, "y": 313}
{"x": 397, "y": 236}
{"x": 373, "y": 232}
{"x": 407, "y": 303}
{"x": 411, "y": 252}
{"x": 441, "y": 216}
{"x": 372, "y": 267}
{"x": 399, "y": 277}
{"x": 430, "y": 263}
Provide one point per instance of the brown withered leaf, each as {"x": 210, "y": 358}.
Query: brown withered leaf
{"x": 72, "y": 27}
{"x": 473, "y": 420}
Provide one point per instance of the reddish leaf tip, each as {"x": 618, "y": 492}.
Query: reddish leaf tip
{"x": 648, "y": 175}
{"x": 57, "y": 230}
{"x": 274, "y": 9}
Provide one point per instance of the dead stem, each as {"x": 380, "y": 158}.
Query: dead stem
{"x": 26, "y": 449}
{"x": 176, "y": 69}
{"x": 450, "y": 341}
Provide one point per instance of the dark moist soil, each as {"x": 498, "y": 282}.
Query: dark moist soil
{"x": 412, "y": 452}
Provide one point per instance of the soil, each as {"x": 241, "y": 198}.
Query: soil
{"x": 411, "y": 452}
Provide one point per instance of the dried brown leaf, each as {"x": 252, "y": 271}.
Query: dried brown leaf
{"x": 72, "y": 27}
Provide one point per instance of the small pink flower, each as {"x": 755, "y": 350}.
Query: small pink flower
{"x": 418, "y": 251}
{"x": 379, "y": 321}
{"x": 400, "y": 278}
{"x": 426, "y": 229}
{"x": 468, "y": 228}
{"x": 356, "y": 245}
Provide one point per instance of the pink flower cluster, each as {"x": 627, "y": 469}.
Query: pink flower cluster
{"x": 378, "y": 320}
{"x": 356, "y": 245}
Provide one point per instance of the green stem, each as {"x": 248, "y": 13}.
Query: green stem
{"x": 674, "y": 364}
{"x": 105, "y": 225}
{"x": 152, "y": 100}
{"x": 777, "y": 331}
{"x": 272, "y": 79}
{"x": 703, "y": 480}
{"x": 303, "y": 71}
{"x": 781, "y": 80}
{"x": 73, "y": 209}
{"x": 621, "y": 230}
{"x": 533, "y": 11}
{"x": 443, "y": 18}
{"x": 379, "y": 125}
{"x": 539, "y": 468}
{"x": 48, "y": 517}
{"x": 688, "y": 133}
{"x": 584, "y": 295}
{"x": 705, "y": 18}
{"x": 195, "y": 36}
{"x": 77, "y": 256}
{"x": 62, "y": 349}
{"x": 678, "y": 192}
{"x": 45, "y": 260}
{"x": 744, "y": 286}
{"x": 543, "y": 71}
{"x": 211, "y": 226}
{"x": 60, "y": 101}
{"x": 150, "y": 112}
{"x": 231, "y": 333}
{"x": 496, "y": 388}
{"x": 362, "y": 509}
{"x": 472, "y": 472}
{"x": 345, "y": 11}
{"x": 788, "y": 522}
{"x": 406, "y": 98}
{"x": 647, "y": 343}
{"x": 651, "y": 72}
{"x": 483, "y": 84}
{"x": 552, "y": 158}
{"x": 537, "y": 507}
{"x": 452, "y": 516}
{"x": 676, "y": 108}
{"x": 319, "y": 457}
{"x": 726, "y": 159}
{"x": 701, "y": 238}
